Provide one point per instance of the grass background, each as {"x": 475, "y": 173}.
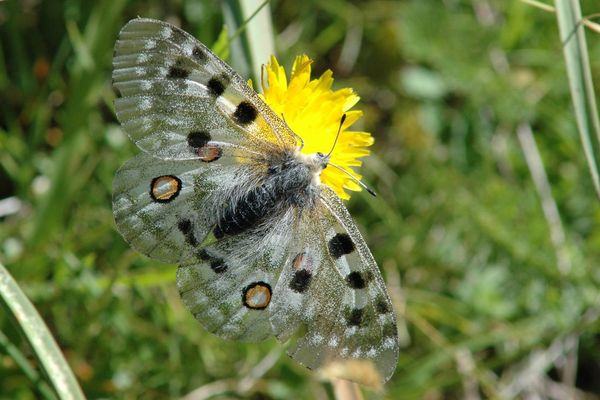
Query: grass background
{"x": 485, "y": 224}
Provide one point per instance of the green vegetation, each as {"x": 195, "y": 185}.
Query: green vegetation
{"x": 485, "y": 226}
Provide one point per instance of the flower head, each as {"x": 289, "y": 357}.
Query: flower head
{"x": 314, "y": 111}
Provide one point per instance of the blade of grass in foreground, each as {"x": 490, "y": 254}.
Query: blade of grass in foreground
{"x": 572, "y": 35}
{"x": 40, "y": 339}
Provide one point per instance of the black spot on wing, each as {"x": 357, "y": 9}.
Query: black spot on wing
{"x": 199, "y": 55}
{"x": 300, "y": 281}
{"x": 389, "y": 329}
{"x": 198, "y": 139}
{"x": 203, "y": 255}
{"x": 178, "y": 71}
{"x": 340, "y": 245}
{"x": 355, "y": 280}
{"x": 216, "y": 264}
{"x": 177, "y": 36}
{"x": 245, "y": 113}
{"x": 186, "y": 228}
{"x": 216, "y": 85}
{"x": 382, "y": 306}
{"x": 355, "y": 317}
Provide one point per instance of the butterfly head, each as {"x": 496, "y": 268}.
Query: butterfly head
{"x": 316, "y": 162}
{"x": 322, "y": 159}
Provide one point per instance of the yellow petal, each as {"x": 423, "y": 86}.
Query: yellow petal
{"x": 314, "y": 111}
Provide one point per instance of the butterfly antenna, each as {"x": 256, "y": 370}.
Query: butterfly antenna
{"x": 355, "y": 179}
{"x": 342, "y": 120}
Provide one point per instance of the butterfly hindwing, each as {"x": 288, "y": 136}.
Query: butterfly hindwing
{"x": 331, "y": 294}
{"x": 175, "y": 96}
{"x": 165, "y": 209}
{"x": 159, "y": 206}
{"x": 228, "y": 286}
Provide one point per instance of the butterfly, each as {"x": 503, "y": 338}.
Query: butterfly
{"x": 221, "y": 188}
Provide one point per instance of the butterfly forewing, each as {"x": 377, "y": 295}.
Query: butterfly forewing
{"x": 175, "y": 96}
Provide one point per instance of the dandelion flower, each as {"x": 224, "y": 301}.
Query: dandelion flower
{"x": 314, "y": 111}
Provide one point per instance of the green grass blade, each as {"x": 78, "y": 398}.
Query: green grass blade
{"x": 572, "y": 35}
{"x": 259, "y": 31}
{"x": 252, "y": 38}
{"x": 539, "y": 4}
{"x": 39, "y": 337}
{"x": 25, "y": 366}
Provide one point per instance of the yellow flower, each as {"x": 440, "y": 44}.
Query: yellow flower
{"x": 314, "y": 111}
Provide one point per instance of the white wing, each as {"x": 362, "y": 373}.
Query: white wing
{"x": 229, "y": 284}
{"x": 332, "y": 295}
{"x": 175, "y": 95}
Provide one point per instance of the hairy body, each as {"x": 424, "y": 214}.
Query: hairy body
{"x": 292, "y": 181}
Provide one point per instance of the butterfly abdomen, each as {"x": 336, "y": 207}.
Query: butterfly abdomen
{"x": 288, "y": 184}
